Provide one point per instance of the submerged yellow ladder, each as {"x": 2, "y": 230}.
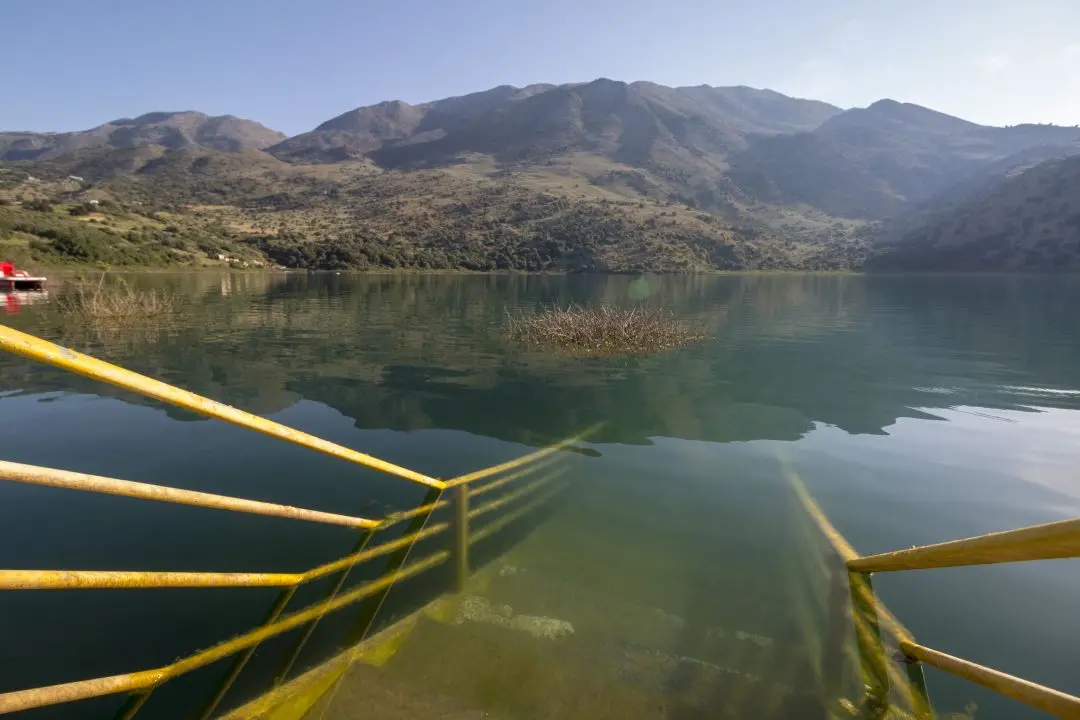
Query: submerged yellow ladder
{"x": 852, "y": 602}
{"x": 543, "y": 464}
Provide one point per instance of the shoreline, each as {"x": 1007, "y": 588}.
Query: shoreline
{"x": 69, "y": 269}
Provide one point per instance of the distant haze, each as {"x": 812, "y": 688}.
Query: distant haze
{"x": 293, "y": 65}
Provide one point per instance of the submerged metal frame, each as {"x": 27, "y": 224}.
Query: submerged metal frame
{"x": 870, "y": 618}
{"x": 140, "y": 685}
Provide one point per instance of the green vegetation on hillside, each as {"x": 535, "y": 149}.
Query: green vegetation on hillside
{"x": 105, "y": 235}
{"x": 191, "y": 208}
{"x": 1027, "y": 221}
{"x": 597, "y": 176}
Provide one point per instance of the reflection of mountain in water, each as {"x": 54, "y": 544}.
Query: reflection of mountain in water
{"x": 411, "y": 352}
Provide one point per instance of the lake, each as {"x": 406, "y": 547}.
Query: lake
{"x": 917, "y": 409}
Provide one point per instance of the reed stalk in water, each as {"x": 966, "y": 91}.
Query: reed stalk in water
{"x": 114, "y": 302}
{"x": 601, "y": 330}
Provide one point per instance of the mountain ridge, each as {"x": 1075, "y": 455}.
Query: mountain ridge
{"x": 872, "y": 162}
{"x": 752, "y": 177}
{"x": 1026, "y": 218}
{"x": 169, "y": 130}
{"x": 555, "y": 118}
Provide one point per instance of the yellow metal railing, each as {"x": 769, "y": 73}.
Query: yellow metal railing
{"x": 139, "y": 685}
{"x": 1055, "y": 540}
{"x": 49, "y": 477}
{"x": 1050, "y": 541}
{"x": 35, "y": 348}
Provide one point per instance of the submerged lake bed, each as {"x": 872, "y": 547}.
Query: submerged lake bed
{"x": 916, "y": 409}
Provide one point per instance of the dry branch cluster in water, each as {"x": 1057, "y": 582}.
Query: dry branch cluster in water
{"x": 602, "y": 330}
{"x": 114, "y": 302}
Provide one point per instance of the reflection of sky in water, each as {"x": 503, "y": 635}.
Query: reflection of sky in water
{"x": 1038, "y": 446}
{"x": 973, "y": 470}
{"x": 976, "y": 470}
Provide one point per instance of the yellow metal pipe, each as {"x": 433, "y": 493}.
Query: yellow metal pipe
{"x": 35, "y": 348}
{"x": 846, "y": 552}
{"x": 1039, "y": 542}
{"x": 1043, "y": 537}
{"x": 101, "y": 579}
{"x": 365, "y": 619}
{"x": 842, "y": 547}
{"x": 523, "y": 460}
{"x": 515, "y": 495}
{"x": 50, "y": 477}
{"x": 242, "y": 659}
{"x": 259, "y": 635}
{"x": 395, "y": 518}
{"x": 385, "y": 549}
{"x": 495, "y": 484}
{"x": 493, "y": 527}
{"x": 460, "y": 524}
{"x": 897, "y": 680}
{"x": 112, "y": 579}
{"x": 1056, "y": 703}
{"x": 133, "y": 682}
{"x": 69, "y": 692}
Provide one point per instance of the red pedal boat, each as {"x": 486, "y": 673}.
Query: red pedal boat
{"x": 12, "y": 279}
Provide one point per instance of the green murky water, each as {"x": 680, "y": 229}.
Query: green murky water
{"x": 916, "y": 409}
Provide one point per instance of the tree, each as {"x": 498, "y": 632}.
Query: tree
{"x": 38, "y": 205}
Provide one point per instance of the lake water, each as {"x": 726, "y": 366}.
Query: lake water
{"x": 916, "y": 409}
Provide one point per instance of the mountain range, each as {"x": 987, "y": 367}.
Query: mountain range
{"x": 648, "y": 176}
{"x": 169, "y": 130}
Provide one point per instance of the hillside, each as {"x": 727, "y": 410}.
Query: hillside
{"x": 602, "y": 175}
{"x": 194, "y": 205}
{"x": 1028, "y": 219}
{"x": 166, "y": 130}
{"x": 721, "y": 149}
{"x": 638, "y": 121}
{"x": 876, "y": 162}
{"x": 630, "y": 141}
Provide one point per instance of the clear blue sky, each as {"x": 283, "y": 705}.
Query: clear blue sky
{"x": 291, "y": 64}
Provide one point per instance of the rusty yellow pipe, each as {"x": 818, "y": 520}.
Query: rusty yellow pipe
{"x": 847, "y": 553}
{"x": 110, "y": 579}
{"x": 35, "y": 348}
{"x": 385, "y": 549}
{"x": 80, "y": 690}
{"x": 897, "y": 680}
{"x": 495, "y": 484}
{"x": 84, "y": 689}
{"x": 1045, "y": 537}
{"x": 1055, "y": 702}
{"x": 395, "y": 518}
{"x": 1049, "y": 541}
{"x": 229, "y": 647}
{"x": 842, "y": 547}
{"x": 50, "y": 477}
{"x": 1052, "y": 701}
{"x": 494, "y": 527}
{"x": 523, "y": 460}
{"x": 515, "y": 495}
